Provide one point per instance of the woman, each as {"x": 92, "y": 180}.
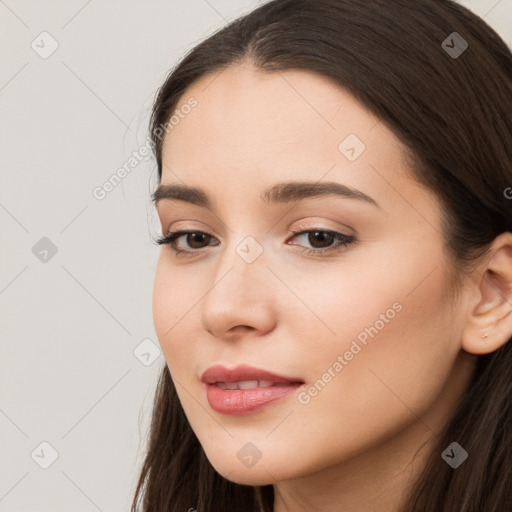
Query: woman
{"x": 333, "y": 296}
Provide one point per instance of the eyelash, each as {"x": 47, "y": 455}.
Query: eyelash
{"x": 343, "y": 241}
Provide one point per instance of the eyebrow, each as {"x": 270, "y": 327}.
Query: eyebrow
{"x": 278, "y": 193}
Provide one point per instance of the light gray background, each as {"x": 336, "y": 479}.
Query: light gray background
{"x": 69, "y": 326}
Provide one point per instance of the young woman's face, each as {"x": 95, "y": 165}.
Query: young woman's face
{"x": 356, "y": 307}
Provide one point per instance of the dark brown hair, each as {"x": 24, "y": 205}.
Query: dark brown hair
{"x": 454, "y": 116}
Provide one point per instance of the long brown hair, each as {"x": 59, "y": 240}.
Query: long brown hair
{"x": 454, "y": 114}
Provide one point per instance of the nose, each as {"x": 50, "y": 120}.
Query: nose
{"x": 240, "y": 298}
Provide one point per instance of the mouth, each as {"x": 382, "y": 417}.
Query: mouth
{"x": 251, "y": 384}
{"x": 246, "y": 377}
{"x": 245, "y": 389}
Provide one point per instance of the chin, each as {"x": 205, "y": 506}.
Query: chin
{"x": 247, "y": 477}
{"x": 237, "y": 473}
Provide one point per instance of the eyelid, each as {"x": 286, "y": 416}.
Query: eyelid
{"x": 320, "y": 225}
{"x": 183, "y": 226}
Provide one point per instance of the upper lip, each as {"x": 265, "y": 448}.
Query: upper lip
{"x": 219, "y": 373}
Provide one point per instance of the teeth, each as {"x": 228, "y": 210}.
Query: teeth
{"x": 245, "y": 384}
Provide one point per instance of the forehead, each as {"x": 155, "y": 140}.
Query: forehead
{"x": 240, "y": 108}
{"x": 251, "y": 108}
{"x": 250, "y": 129}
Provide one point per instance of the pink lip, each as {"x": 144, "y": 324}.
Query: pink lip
{"x": 245, "y": 401}
{"x": 220, "y": 373}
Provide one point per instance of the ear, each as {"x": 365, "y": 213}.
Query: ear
{"x": 489, "y": 320}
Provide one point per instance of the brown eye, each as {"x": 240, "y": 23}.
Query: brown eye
{"x": 193, "y": 239}
{"x": 196, "y": 238}
{"x": 320, "y": 239}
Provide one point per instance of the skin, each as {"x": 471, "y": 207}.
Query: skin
{"x": 359, "y": 443}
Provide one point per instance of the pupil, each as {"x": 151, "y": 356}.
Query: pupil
{"x": 319, "y": 236}
{"x": 194, "y": 237}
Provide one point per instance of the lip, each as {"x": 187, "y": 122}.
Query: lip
{"x": 245, "y": 401}
{"x": 219, "y": 373}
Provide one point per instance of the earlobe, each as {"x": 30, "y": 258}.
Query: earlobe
{"x": 489, "y": 322}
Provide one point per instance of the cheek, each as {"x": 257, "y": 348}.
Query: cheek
{"x": 387, "y": 362}
{"x": 388, "y": 299}
{"x": 173, "y": 301}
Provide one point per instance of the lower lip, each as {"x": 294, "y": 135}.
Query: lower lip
{"x": 245, "y": 401}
